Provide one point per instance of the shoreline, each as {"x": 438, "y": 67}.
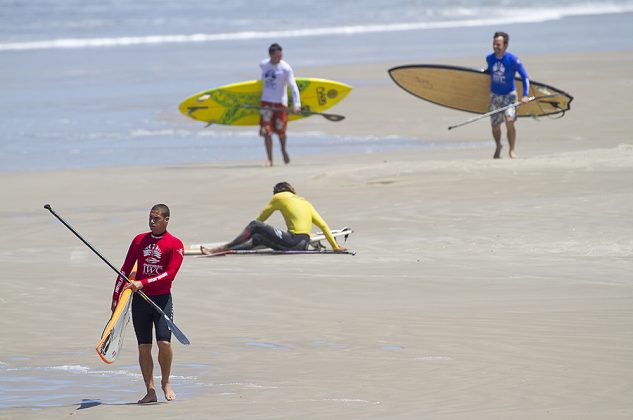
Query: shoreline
{"x": 397, "y": 113}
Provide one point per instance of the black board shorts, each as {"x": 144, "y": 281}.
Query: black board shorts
{"x": 144, "y": 317}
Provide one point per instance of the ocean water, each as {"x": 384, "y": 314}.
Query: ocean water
{"x": 97, "y": 83}
{"x": 24, "y": 385}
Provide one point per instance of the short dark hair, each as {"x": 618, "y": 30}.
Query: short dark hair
{"x": 282, "y": 187}
{"x": 504, "y": 35}
{"x": 273, "y": 48}
{"x": 162, "y": 208}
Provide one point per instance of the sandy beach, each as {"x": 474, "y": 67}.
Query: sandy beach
{"x": 481, "y": 288}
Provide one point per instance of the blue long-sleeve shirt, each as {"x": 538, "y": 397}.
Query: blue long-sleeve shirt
{"x": 502, "y": 71}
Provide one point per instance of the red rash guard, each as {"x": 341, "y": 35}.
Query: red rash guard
{"x": 159, "y": 259}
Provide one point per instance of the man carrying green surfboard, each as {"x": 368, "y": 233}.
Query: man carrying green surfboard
{"x": 276, "y": 75}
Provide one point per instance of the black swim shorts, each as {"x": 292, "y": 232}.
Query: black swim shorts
{"x": 144, "y": 316}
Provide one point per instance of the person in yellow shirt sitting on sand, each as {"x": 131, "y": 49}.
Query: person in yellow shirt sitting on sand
{"x": 299, "y": 215}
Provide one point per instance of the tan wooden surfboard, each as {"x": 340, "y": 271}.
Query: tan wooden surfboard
{"x": 468, "y": 89}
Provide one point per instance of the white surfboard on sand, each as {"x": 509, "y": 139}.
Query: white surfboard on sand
{"x": 316, "y": 241}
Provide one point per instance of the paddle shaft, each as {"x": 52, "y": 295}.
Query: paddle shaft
{"x": 487, "y": 114}
{"x": 177, "y": 332}
{"x": 330, "y": 117}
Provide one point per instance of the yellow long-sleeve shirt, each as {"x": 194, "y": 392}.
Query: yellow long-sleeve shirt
{"x": 299, "y": 215}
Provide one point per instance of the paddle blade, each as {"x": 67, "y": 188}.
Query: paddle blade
{"x": 333, "y": 117}
{"x": 180, "y": 336}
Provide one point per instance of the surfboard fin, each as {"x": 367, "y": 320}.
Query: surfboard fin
{"x": 192, "y": 109}
{"x": 554, "y": 104}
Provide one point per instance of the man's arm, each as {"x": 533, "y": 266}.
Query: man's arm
{"x": 525, "y": 79}
{"x": 126, "y": 269}
{"x": 268, "y": 210}
{"x": 318, "y": 220}
{"x": 294, "y": 90}
{"x": 487, "y": 69}
{"x": 261, "y": 70}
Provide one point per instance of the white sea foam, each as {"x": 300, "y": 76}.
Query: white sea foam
{"x": 70, "y": 368}
{"x": 140, "y": 133}
{"x": 109, "y": 373}
{"x": 115, "y": 373}
{"x": 516, "y": 16}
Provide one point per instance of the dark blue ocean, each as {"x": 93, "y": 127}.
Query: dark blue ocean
{"x": 97, "y": 83}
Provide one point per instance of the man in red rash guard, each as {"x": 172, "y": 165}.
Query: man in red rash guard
{"x": 159, "y": 255}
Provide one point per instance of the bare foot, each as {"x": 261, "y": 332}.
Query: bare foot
{"x": 497, "y": 154}
{"x": 286, "y": 158}
{"x": 268, "y": 163}
{"x": 211, "y": 251}
{"x": 513, "y": 155}
{"x": 170, "y": 395}
{"x": 150, "y": 397}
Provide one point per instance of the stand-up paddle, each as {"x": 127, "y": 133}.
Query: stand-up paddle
{"x": 177, "y": 333}
{"x": 516, "y": 104}
{"x": 487, "y": 114}
{"x": 329, "y": 117}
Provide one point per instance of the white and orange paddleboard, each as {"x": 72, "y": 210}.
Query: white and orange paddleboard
{"x": 111, "y": 341}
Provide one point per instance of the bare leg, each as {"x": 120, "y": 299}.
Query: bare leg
{"x": 268, "y": 140}
{"x": 241, "y": 239}
{"x": 147, "y": 369}
{"x": 512, "y": 137}
{"x": 496, "y": 134}
{"x": 165, "y": 357}
{"x": 282, "y": 142}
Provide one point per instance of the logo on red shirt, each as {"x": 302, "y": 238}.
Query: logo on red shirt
{"x": 152, "y": 253}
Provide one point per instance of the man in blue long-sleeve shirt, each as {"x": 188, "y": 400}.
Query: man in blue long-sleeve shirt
{"x": 502, "y": 67}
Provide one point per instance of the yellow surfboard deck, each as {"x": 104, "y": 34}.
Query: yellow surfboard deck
{"x": 112, "y": 337}
{"x": 225, "y": 104}
{"x": 469, "y": 89}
